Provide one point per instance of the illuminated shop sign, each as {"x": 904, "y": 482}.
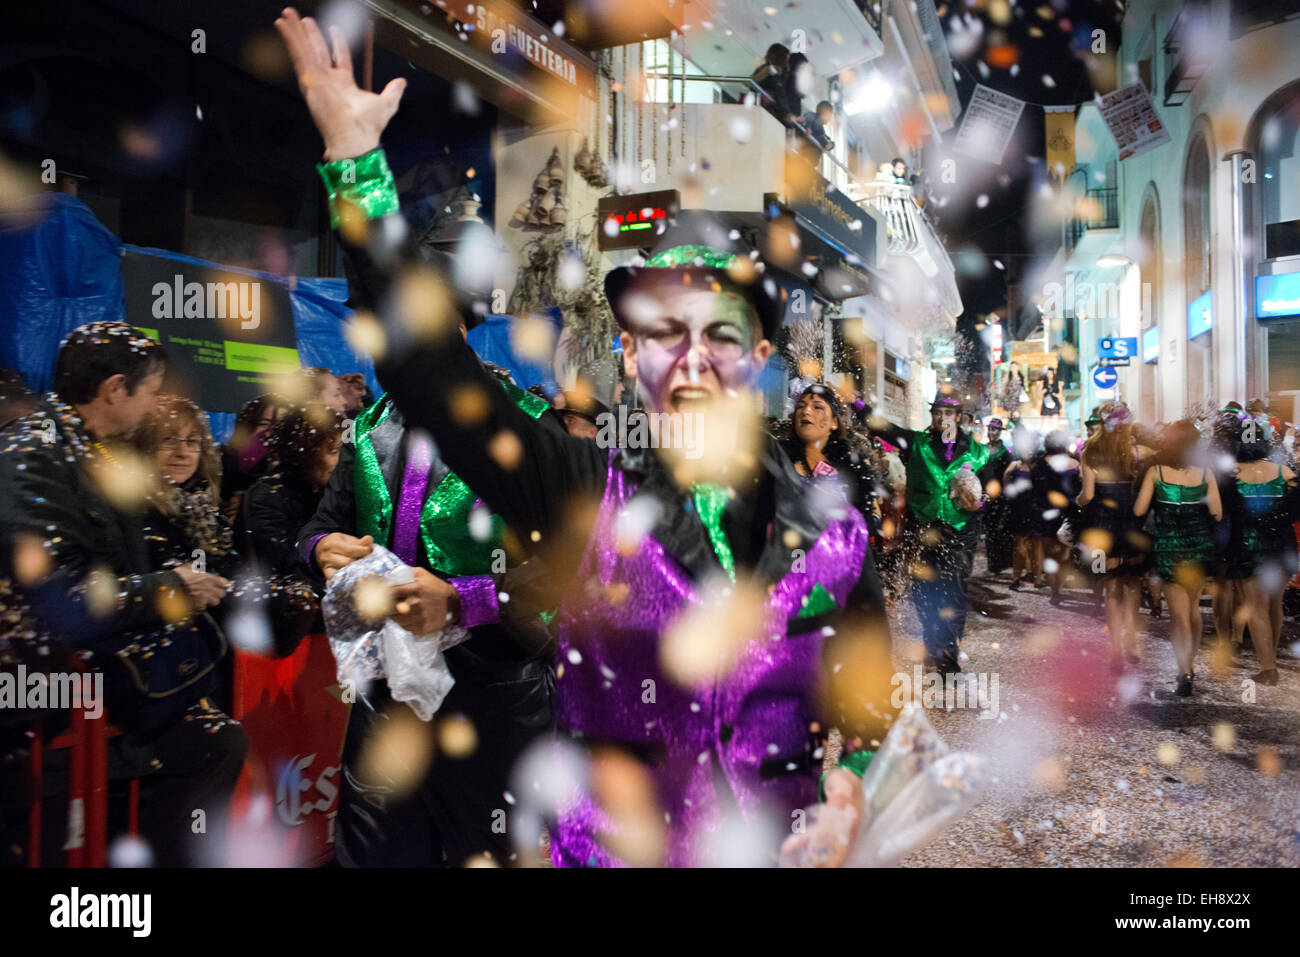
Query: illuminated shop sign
{"x": 634, "y": 222}
{"x": 1277, "y": 296}
{"x": 1151, "y": 344}
{"x": 1200, "y": 315}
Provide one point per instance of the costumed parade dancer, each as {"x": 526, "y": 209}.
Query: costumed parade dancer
{"x": 944, "y": 497}
{"x": 392, "y": 488}
{"x": 675, "y": 548}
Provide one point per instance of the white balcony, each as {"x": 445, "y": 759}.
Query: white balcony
{"x": 911, "y": 238}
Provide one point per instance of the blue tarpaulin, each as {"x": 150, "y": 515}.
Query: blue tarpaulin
{"x": 491, "y": 340}
{"x": 65, "y": 272}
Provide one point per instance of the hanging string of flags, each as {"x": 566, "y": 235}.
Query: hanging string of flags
{"x": 991, "y": 118}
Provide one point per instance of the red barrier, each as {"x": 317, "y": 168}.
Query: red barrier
{"x": 287, "y": 798}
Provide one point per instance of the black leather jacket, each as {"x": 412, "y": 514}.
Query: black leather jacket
{"x": 96, "y": 547}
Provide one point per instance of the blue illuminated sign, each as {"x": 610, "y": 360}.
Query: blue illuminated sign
{"x": 1200, "y": 315}
{"x": 1151, "y": 344}
{"x": 1277, "y": 296}
{"x": 1113, "y": 347}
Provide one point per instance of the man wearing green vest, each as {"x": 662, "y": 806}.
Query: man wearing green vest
{"x": 392, "y": 487}
{"x": 944, "y": 522}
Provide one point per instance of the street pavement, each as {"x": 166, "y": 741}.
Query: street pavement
{"x": 1090, "y": 769}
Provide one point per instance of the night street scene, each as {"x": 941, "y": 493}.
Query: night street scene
{"x": 693, "y": 434}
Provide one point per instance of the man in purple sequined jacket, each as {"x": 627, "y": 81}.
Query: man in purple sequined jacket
{"x": 632, "y": 545}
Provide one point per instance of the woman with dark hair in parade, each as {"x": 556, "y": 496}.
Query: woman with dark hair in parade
{"x": 1185, "y": 498}
{"x": 819, "y": 445}
{"x": 1111, "y": 543}
{"x": 1261, "y": 501}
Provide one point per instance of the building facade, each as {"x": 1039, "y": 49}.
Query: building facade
{"x": 1199, "y": 257}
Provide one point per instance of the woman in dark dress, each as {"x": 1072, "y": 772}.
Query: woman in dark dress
{"x": 1111, "y": 543}
{"x": 1051, "y": 407}
{"x": 1055, "y": 479}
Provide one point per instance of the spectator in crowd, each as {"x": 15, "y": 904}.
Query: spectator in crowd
{"x": 357, "y": 396}
{"x": 15, "y": 399}
{"x": 798, "y": 83}
{"x": 184, "y": 524}
{"x": 898, "y": 166}
{"x": 819, "y": 123}
{"x": 1051, "y": 405}
{"x": 583, "y": 414}
{"x": 74, "y": 506}
{"x": 246, "y": 457}
{"x": 770, "y": 78}
{"x": 314, "y": 384}
{"x": 306, "y": 444}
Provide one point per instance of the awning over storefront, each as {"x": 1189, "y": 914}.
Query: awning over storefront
{"x": 506, "y": 57}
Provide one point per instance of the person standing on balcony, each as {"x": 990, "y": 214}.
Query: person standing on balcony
{"x": 798, "y": 82}
{"x": 770, "y": 79}
{"x": 819, "y": 124}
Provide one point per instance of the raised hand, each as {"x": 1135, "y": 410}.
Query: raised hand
{"x": 349, "y": 119}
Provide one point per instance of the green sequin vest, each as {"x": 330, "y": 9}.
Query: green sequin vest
{"x": 445, "y": 539}
{"x": 928, "y": 477}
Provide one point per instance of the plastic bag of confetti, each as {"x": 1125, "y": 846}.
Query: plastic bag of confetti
{"x": 912, "y": 789}
{"x": 367, "y": 645}
{"x": 947, "y": 789}
{"x": 910, "y": 747}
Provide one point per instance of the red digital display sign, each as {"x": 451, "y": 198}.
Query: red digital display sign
{"x": 634, "y": 221}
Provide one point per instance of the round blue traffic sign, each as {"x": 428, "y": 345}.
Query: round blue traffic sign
{"x": 1105, "y": 377}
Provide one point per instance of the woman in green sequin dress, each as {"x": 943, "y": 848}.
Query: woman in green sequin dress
{"x": 1185, "y": 498}
{"x": 1262, "y": 502}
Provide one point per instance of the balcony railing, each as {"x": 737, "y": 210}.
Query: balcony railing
{"x": 1105, "y": 202}
{"x": 903, "y": 222}
{"x": 910, "y": 234}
